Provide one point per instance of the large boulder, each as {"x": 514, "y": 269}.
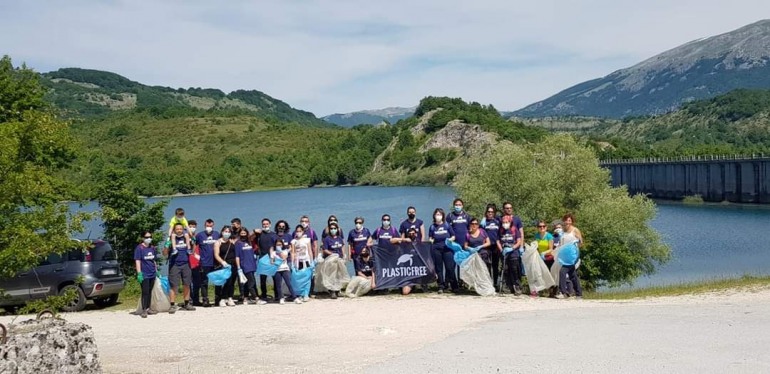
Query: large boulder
{"x": 49, "y": 345}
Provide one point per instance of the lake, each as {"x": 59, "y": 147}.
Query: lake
{"x": 707, "y": 241}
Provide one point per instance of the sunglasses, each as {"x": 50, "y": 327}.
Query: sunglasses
{"x": 541, "y": 226}
{"x": 148, "y": 237}
{"x": 359, "y": 223}
{"x": 474, "y": 223}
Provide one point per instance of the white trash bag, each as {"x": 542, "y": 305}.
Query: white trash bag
{"x": 474, "y": 272}
{"x": 158, "y": 302}
{"x": 331, "y": 274}
{"x": 538, "y": 275}
{"x": 358, "y": 286}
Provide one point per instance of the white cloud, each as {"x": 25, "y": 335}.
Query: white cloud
{"x": 340, "y": 56}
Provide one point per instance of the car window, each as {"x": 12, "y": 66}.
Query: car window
{"x": 76, "y": 255}
{"x": 53, "y": 259}
{"x": 102, "y": 251}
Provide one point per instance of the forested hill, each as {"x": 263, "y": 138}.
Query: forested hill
{"x": 734, "y": 123}
{"x": 93, "y": 93}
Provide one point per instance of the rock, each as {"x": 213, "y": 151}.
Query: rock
{"x": 457, "y": 134}
{"x": 49, "y": 345}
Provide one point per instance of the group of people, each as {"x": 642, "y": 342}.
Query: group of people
{"x": 498, "y": 238}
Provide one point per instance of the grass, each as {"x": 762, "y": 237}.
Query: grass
{"x": 693, "y": 200}
{"x": 745, "y": 282}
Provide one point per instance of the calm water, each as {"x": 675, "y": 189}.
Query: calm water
{"x": 707, "y": 241}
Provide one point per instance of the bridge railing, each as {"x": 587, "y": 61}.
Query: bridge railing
{"x": 680, "y": 159}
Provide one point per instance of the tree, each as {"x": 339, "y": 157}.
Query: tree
{"x": 126, "y": 216}
{"x": 548, "y": 179}
{"x": 34, "y": 145}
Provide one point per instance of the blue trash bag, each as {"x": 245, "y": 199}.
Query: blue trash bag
{"x": 164, "y": 283}
{"x": 453, "y": 246}
{"x": 220, "y": 277}
{"x": 300, "y": 280}
{"x": 264, "y": 267}
{"x": 461, "y": 256}
{"x": 569, "y": 254}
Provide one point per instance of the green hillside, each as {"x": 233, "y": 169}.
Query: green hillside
{"x": 93, "y": 93}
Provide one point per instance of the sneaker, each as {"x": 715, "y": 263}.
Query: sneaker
{"x": 334, "y": 294}
{"x": 305, "y": 299}
{"x": 144, "y": 314}
{"x": 559, "y": 296}
{"x": 188, "y": 307}
{"x": 230, "y": 302}
{"x": 298, "y": 300}
{"x": 440, "y": 290}
{"x": 173, "y": 309}
{"x": 252, "y": 302}
{"x": 206, "y": 304}
{"x": 151, "y": 312}
{"x": 222, "y": 302}
{"x": 261, "y": 302}
{"x": 282, "y": 301}
{"x": 516, "y": 291}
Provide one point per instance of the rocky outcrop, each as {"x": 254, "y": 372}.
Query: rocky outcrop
{"x": 49, "y": 345}
{"x": 459, "y": 135}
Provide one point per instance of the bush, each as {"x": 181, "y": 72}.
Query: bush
{"x": 556, "y": 176}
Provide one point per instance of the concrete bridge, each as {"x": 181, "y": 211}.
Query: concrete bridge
{"x": 738, "y": 179}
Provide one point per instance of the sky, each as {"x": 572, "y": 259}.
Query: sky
{"x": 342, "y": 56}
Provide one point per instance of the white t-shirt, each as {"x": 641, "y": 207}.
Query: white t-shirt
{"x": 302, "y": 249}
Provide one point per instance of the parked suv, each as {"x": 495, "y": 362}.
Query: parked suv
{"x": 98, "y": 268}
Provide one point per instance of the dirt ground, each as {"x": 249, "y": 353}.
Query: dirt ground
{"x": 343, "y": 335}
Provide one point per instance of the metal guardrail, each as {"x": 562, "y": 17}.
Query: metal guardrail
{"x": 664, "y": 160}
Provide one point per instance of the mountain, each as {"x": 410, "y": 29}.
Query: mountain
{"x": 737, "y": 122}
{"x": 370, "y": 117}
{"x": 699, "y": 69}
{"x": 91, "y": 93}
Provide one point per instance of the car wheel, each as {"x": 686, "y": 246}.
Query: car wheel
{"x": 103, "y": 302}
{"x": 75, "y": 305}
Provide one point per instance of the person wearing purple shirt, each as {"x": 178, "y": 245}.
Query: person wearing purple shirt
{"x": 509, "y": 245}
{"x": 515, "y": 220}
{"x": 265, "y": 241}
{"x": 304, "y": 221}
{"x": 477, "y": 240}
{"x": 386, "y": 235}
{"x": 443, "y": 257}
{"x": 412, "y": 222}
{"x": 205, "y": 241}
{"x": 247, "y": 265}
{"x": 144, "y": 258}
{"x": 459, "y": 221}
{"x": 358, "y": 238}
{"x": 179, "y": 271}
{"x": 491, "y": 255}
{"x": 333, "y": 243}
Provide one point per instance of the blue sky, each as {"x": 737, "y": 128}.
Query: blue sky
{"x": 342, "y": 56}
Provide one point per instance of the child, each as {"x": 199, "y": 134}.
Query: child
{"x": 568, "y": 258}
{"x": 283, "y": 273}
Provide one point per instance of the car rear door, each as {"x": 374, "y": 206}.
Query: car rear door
{"x": 104, "y": 261}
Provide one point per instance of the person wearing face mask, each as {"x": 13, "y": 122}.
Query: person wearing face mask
{"x": 179, "y": 267}
{"x": 491, "y": 255}
{"x": 304, "y": 221}
{"x": 224, "y": 254}
{"x": 283, "y": 275}
{"x": 443, "y": 257}
{"x": 515, "y": 220}
{"x": 459, "y": 220}
{"x": 358, "y": 238}
{"x": 387, "y": 235}
{"x": 247, "y": 266}
{"x": 333, "y": 245}
{"x": 364, "y": 281}
{"x": 558, "y": 230}
{"x": 302, "y": 255}
{"x": 332, "y": 219}
{"x": 265, "y": 240}
{"x": 144, "y": 257}
{"x": 206, "y": 240}
{"x": 509, "y": 245}
{"x": 412, "y": 223}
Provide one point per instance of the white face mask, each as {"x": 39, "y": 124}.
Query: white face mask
{"x": 148, "y": 241}
{"x": 209, "y": 229}
{"x": 304, "y": 225}
{"x": 191, "y": 229}
{"x": 438, "y": 218}
{"x": 359, "y": 226}
{"x": 559, "y": 231}
{"x": 506, "y": 226}
{"x": 226, "y": 235}
{"x": 385, "y": 223}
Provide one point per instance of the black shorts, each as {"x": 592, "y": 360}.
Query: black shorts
{"x": 177, "y": 273}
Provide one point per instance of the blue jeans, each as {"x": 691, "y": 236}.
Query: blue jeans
{"x": 445, "y": 268}
{"x": 569, "y": 271}
{"x": 284, "y": 275}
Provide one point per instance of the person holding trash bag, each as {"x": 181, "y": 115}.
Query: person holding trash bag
{"x": 179, "y": 267}
{"x": 247, "y": 266}
{"x": 509, "y": 245}
{"x": 265, "y": 240}
{"x": 224, "y": 255}
{"x": 283, "y": 275}
{"x": 302, "y": 255}
{"x": 490, "y": 254}
{"x": 477, "y": 239}
{"x": 205, "y": 240}
{"x": 144, "y": 256}
{"x": 443, "y": 257}
{"x": 364, "y": 281}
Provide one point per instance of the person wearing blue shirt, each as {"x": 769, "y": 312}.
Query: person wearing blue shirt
{"x": 358, "y": 238}
{"x": 144, "y": 257}
{"x": 459, "y": 220}
{"x": 443, "y": 257}
{"x": 246, "y": 263}
{"x": 205, "y": 241}
{"x": 413, "y": 223}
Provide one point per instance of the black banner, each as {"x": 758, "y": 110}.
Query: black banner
{"x": 402, "y": 265}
